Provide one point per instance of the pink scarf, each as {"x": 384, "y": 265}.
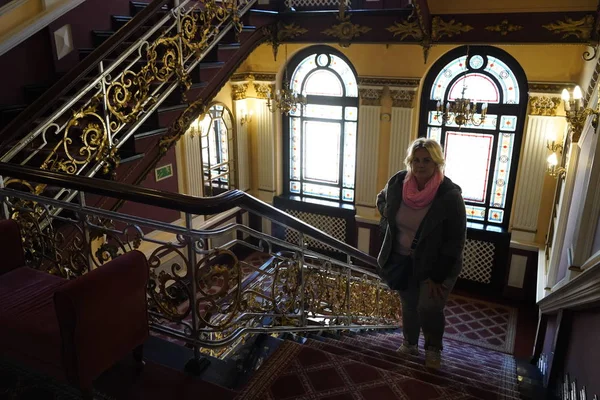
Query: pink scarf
{"x": 418, "y": 199}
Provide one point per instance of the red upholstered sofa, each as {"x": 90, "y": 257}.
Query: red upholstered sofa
{"x": 72, "y": 330}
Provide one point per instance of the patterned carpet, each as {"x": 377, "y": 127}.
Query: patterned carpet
{"x": 481, "y": 323}
{"x": 369, "y": 368}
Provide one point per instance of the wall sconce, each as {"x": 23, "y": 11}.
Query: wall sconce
{"x": 553, "y": 169}
{"x": 575, "y": 113}
{"x": 246, "y": 117}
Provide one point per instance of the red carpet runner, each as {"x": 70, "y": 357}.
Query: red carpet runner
{"x": 367, "y": 367}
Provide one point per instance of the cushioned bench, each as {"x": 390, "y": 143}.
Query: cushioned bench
{"x": 71, "y": 330}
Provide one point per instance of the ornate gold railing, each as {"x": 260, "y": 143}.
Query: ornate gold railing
{"x": 205, "y": 289}
{"x": 84, "y": 134}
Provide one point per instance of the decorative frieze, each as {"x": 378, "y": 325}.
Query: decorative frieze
{"x": 371, "y": 96}
{"x": 543, "y": 105}
{"x": 253, "y": 76}
{"x": 550, "y": 88}
{"x": 405, "y": 83}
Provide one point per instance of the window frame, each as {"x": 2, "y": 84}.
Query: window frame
{"x": 319, "y": 100}
{"x": 520, "y": 110}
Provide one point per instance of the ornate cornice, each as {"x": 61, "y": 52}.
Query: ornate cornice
{"x": 543, "y": 105}
{"x": 263, "y": 90}
{"x": 402, "y": 97}
{"x": 504, "y": 27}
{"x": 253, "y": 76}
{"x": 371, "y": 96}
{"x": 551, "y": 88}
{"x": 401, "y": 82}
{"x": 346, "y": 31}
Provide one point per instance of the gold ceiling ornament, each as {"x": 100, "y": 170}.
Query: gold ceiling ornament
{"x": 441, "y": 28}
{"x": 543, "y": 105}
{"x": 504, "y": 27}
{"x": 280, "y": 32}
{"x": 345, "y": 31}
{"x": 406, "y": 29}
{"x": 581, "y": 28}
{"x": 382, "y": 81}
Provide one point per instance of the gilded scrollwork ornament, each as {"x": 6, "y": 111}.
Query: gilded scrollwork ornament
{"x": 441, "y": 28}
{"x": 504, "y": 27}
{"x": 580, "y": 29}
{"x": 280, "y": 32}
{"x": 406, "y": 29}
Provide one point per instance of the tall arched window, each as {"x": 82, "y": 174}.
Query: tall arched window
{"x": 481, "y": 159}
{"x": 320, "y": 139}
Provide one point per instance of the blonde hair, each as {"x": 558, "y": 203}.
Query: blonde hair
{"x": 432, "y": 146}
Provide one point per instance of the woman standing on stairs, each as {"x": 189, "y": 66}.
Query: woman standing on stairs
{"x": 424, "y": 217}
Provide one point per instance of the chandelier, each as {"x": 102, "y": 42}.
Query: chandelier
{"x": 285, "y": 99}
{"x": 461, "y": 111}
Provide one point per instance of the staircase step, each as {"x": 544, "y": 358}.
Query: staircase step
{"x": 137, "y": 6}
{"x": 99, "y": 37}
{"x": 119, "y": 21}
{"x": 475, "y": 385}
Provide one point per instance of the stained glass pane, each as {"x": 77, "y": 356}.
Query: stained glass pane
{"x": 441, "y": 81}
{"x": 294, "y": 187}
{"x": 328, "y": 192}
{"x": 342, "y": 68}
{"x": 301, "y": 71}
{"x": 321, "y": 111}
{"x": 321, "y": 151}
{"x": 508, "y": 123}
{"x": 468, "y": 157}
{"x": 351, "y": 113}
{"x": 476, "y": 62}
{"x": 490, "y": 122}
{"x": 323, "y": 83}
{"x": 434, "y": 133}
{"x": 477, "y": 87}
{"x": 496, "y": 215}
{"x": 295, "y": 151}
{"x": 433, "y": 119}
{"x": 508, "y": 81}
{"x": 347, "y": 195}
{"x": 349, "y": 154}
{"x": 502, "y": 170}
{"x": 476, "y": 213}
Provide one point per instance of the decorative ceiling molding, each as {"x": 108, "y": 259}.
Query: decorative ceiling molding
{"x": 581, "y": 28}
{"x": 404, "y": 83}
{"x": 280, "y": 32}
{"x": 552, "y": 88}
{"x": 441, "y": 28}
{"x": 254, "y": 76}
{"x": 543, "y": 105}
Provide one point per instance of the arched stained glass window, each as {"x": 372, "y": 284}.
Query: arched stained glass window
{"x": 482, "y": 158}
{"x": 320, "y": 144}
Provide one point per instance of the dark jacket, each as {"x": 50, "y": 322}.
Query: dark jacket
{"x": 439, "y": 252}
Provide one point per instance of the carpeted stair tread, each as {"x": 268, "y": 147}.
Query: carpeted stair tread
{"x": 388, "y": 349}
{"x": 455, "y": 353}
{"x": 447, "y": 370}
{"x": 453, "y": 382}
{"x": 298, "y": 371}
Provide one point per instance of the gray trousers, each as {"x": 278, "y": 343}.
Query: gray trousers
{"x": 421, "y": 311}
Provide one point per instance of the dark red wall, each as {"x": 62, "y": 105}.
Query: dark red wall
{"x": 583, "y": 351}
{"x": 90, "y": 15}
{"x": 26, "y": 64}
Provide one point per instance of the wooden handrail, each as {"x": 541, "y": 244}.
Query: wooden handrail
{"x": 19, "y": 126}
{"x": 180, "y": 202}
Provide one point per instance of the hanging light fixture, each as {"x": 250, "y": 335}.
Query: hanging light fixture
{"x": 285, "y": 100}
{"x": 461, "y": 111}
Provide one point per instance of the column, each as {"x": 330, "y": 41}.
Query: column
{"x": 265, "y": 134}
{"x": 367, "y": 148}
{"x": 242, "y": 112}
{"x": 402, "y": 126}
{"x": 542, "y": 123}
